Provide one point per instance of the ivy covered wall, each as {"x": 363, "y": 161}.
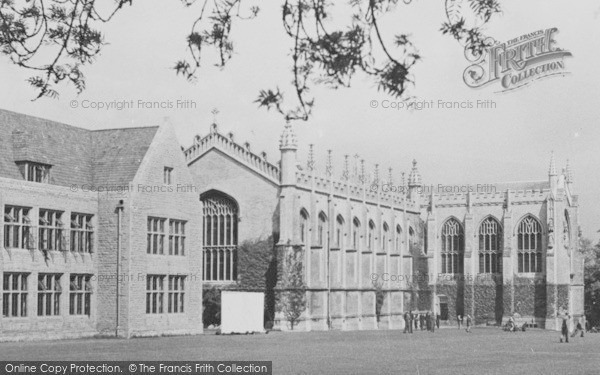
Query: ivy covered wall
{"x": 257, "y": 272}
{"x": 530, "y": 297}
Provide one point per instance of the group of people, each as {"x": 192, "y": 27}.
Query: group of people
{"x": 511, "y": 326}
{"x": 427, "y": 320}
{"x": 469, "y": 322}
{"x": 565, "y": 328}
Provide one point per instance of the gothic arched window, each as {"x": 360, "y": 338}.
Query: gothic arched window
{"x": 321, "y": 229}
{"x": 339, "y": 231}
{"x": 385, "y": 239}
{"x": 220, "y": 237}
{"x": 355, "y": 233}
{"x": 567, "y": 231}
{"x": 425, "y": 239}
{"x": 529, "y": 245}
{"x": 371, "y": 235}
{"x": 490, "y": 246}
{"x": 453, "y": 247}
{"x": 398, "y": 237}
{"x": 303, "y": 226}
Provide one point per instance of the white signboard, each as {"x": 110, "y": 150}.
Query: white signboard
{"x": 242, "y": 312}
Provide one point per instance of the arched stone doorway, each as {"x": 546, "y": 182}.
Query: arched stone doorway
{"x": 441, "y": 306}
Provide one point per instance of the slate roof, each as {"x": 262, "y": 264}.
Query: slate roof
{"x": 117, "y": 154}
{"x": 78, "y": 156}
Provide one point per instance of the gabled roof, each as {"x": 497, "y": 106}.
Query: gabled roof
{"x": 242, "y": 154}
{"x": 78, "y": 156}
{"x": 118, "y": 154}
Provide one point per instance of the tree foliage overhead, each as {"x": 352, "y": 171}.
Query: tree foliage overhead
{"x": 329, "y": 54}
{"x": 55, "y": 38}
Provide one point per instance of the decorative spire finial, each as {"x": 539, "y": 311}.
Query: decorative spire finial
{"x": 414, "y": 179}
{"x": 346, "y": 173}
{"x": 568, "y": 173}
{"x": 310, "y": 164}
{"x": 214, "y": 112}
{"x": 390, "y": 178}
{"x": 376, "y": 173}
{"x": 355, "y": 168}
{"x": 361, "y": 178}
{"x": 288, "y": 139}
{"x": 329, "y": 166}
{"x": 552, "y": 169}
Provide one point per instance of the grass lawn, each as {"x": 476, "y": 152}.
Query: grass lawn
{"x": 447, "y": 351}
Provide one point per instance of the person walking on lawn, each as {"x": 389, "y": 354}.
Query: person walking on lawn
{"x": 564, "y": 331}
{"x": 578, "y": 328}
{"x": 428, "y": 321}
{"x": 469, "y": 323}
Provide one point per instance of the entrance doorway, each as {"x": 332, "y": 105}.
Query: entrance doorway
{"x": 443, "y": 304}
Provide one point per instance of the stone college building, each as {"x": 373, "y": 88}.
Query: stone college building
{"x": 121, "y": 231}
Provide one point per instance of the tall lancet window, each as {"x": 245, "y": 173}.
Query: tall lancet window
{"x": 453, "y": 247}
{"x": 398, "y": 237}
{"x": 355, "y": 233}
{"x": 567, "y": 230}
{"x": 322, "y": 229}
{"x": 529, "y": 245}
{"x": 220, "y": 237}
{"x": 304, "y": 225}
{"x": 386, "y": 237}
{"x": 371, "y": 236}
{"x": 339, "y": 231}
{"x": 490, "y": 246}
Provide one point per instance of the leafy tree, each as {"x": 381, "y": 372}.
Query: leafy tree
{"x": 591, "y": 279}
{"x": 322, "y": 53}
{"x": 257, "y": 271}
{"x": 53, "y": 38}
{"x": 331, "y": 55}
{"x": 211, "y": 303}
{"x": 293, "y": 300}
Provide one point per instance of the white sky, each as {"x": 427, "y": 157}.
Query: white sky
{"x": 509, "y": 143}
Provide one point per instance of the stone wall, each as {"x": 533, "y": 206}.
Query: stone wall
{"x": 151, "y": 197}
{"x": 146, "y": 196}
{"x": 35, "y": 262}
